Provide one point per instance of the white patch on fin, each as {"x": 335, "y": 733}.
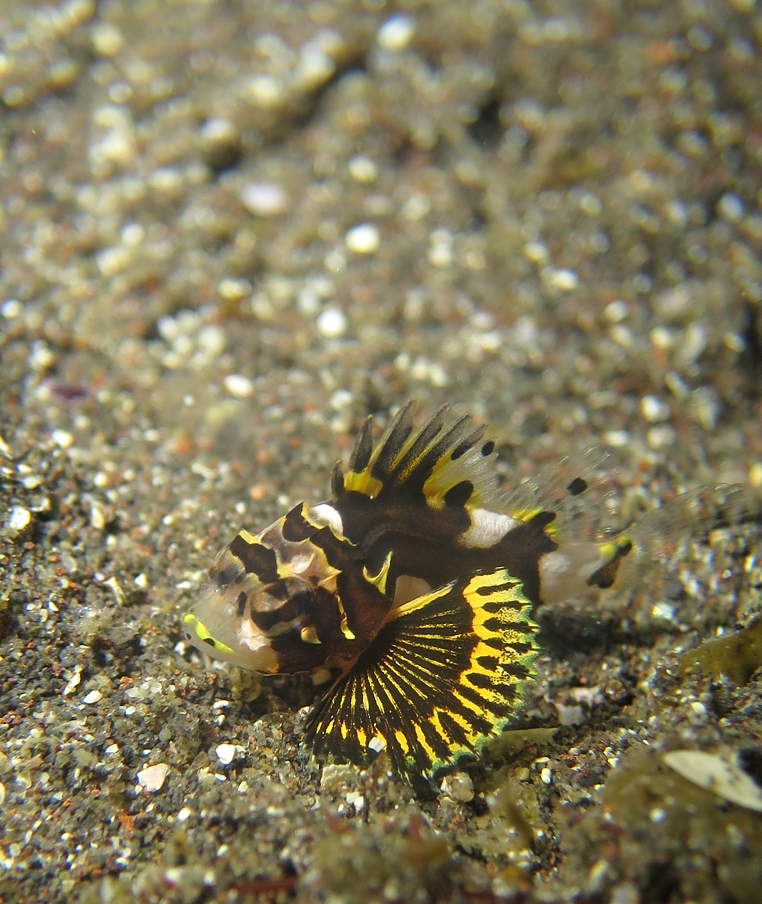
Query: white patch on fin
{"x": 564, "y": 572}
{"x": 327, "y": 513}
{"x": 409, "y": 588}
{"x": 486, "y": 529}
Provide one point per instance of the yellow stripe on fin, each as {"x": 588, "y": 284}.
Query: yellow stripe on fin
{"x": 379, "y": 580}
{"x": 362, "y": 482}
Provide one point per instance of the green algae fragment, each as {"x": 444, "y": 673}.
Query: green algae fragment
{"x": 513, "y": 741}
{"x": 736, "y": 656}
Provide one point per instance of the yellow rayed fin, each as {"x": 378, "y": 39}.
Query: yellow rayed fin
{"x": 445, "y": 673}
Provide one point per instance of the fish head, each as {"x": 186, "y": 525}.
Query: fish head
{"x": 261, "y": 602}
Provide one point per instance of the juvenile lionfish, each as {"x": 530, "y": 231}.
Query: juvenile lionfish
{"x": 416, "y": 586}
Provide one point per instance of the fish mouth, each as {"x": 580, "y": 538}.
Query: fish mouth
{"x": 214, "y": 627}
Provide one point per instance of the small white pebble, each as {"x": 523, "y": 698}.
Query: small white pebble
{"x": 238, "y": 386}
{"x": 458, "y": 786}
{"x": 731, "y": 208}
{"x": 107, "y": 39}
{"x": 72, "y": 683}
{"x": 698, "y": 709}
{"x": 377, "y": 744}
{"x": 657, "y": 814}
{"x": 661, "y": 338}
{"x": 111, "y": 261}
{"x": 133, "y": 234}
{"x": 547, "y": 776}
{"x": 165, "y": 179}
{"x": 152, "y": 777}
{"x": 11, "y": 308}
{"x": 218, "y": 131}
{"x": 570, "y": 715}
{"x": 184, "y": 814}
{"x": 653, "y": 409}
{"x": 396, "y": 33}
{"x": 315, "y": 66}
{"x": 536, "y": 252}
{"x": 416, "y": 207}
{"x": 734, "y": 342}
{"x": 341, "y": 399}
{"x": 97, "y": 516}
{"x": 616, "y": 311}
{"x": 307, "y": 301}
{"x": 226, "y": 753}
{"x": 92, "y": 697}
{"x": 566, "y": 280}
{"x": 677, "y": 213}
{"x": 363, "y": 239}
{"x": 440, "y": 251}
{"x": 265, "y": 91}
{"x": 664, "y": 611}
{"x": 332, "y": 323}
{"x": 20, "y": 518}
{"x": 234, "y": 289}
{"x": 264, "y": 199}
{"x": 335, "y": 261}
{"x": 62, "y": 438}
{"x": 617, "y": 439}
{"x": 41, "y": 357}
{"x": 590, "y": 204}
{"x": 660, "y": 437}
{"x": 362, "y": 169}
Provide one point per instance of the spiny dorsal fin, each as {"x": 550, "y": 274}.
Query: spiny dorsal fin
{"x": 363, "y": 447}
{"x": 423, "y": 466}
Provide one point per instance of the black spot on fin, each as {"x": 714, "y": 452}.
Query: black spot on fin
{"x": 606, "y": 575}
{"x": 459, "y": 494}
{"x": 577, "y": 486}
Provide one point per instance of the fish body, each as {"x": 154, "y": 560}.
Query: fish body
{"x": 414, "y": 587}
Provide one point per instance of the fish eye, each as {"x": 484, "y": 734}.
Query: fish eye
{"x": 273, "y": 596}
{"x": 281, "y": 605}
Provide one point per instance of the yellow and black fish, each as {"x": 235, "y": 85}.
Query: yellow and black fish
{"x": 416, "y": 584}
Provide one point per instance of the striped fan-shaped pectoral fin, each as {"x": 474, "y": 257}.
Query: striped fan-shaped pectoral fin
{"x": 445, "y": 673}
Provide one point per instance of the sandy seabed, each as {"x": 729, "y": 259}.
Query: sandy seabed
{"x": 230, "y": 231}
